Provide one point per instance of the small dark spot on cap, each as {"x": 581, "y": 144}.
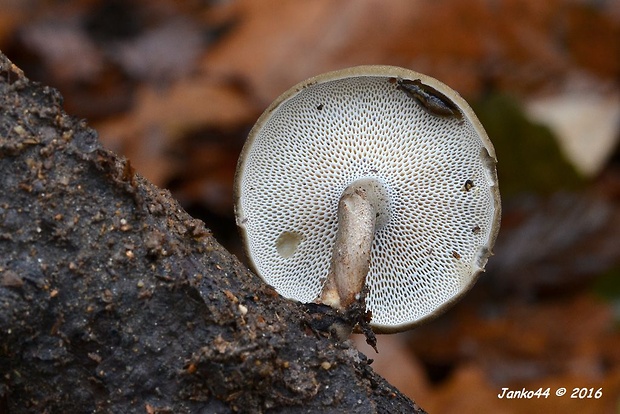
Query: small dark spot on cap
{"x": 319, "y": 107}
{"x": 456, "y": 255}
{"x": 476, "y": 230}
{"x": 469, "y": 184}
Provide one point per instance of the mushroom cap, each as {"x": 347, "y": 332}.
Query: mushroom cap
{"x": 438, "y": 171}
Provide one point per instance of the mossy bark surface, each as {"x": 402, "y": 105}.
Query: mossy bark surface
{"x": 113, "y": 299}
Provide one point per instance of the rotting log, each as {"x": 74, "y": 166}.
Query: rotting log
{"x": 113, "y": 299}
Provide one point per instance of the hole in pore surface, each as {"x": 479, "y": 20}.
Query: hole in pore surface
{"x": 287, "y": 243}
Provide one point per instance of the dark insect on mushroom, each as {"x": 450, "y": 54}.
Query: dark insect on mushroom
{"x": 456, "y": 255}
{"x": 476, "y": 230}
{"x": 469, "y": 184}
{"x": 433, "y": 101}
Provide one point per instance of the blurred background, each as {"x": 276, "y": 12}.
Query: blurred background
{"x": 175, "y": 87}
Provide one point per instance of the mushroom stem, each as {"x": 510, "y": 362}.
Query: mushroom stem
{"x": 357, "y": 216}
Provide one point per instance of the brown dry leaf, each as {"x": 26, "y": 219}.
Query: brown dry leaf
{"x": 58, "y": 42}
{"x": 467, "y": 391}
{"x": 567, "y": 343}
{"x": 514, "y": 45}
{"x": 570, "y": 402}
{"x": 160, "y": 118}
{"x": 279, "y": 43}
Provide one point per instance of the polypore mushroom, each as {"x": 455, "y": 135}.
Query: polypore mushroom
{"x": 370, "y": 177}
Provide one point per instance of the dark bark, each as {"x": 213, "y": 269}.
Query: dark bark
{"x": 113, "y": 299}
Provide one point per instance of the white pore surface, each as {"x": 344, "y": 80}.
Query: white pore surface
{"x": 327, "y": 136}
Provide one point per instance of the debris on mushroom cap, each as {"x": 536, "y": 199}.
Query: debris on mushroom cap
{"x": 436, "y": 168}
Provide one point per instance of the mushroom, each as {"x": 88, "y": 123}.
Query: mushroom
{"x": 370, "y": 179}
